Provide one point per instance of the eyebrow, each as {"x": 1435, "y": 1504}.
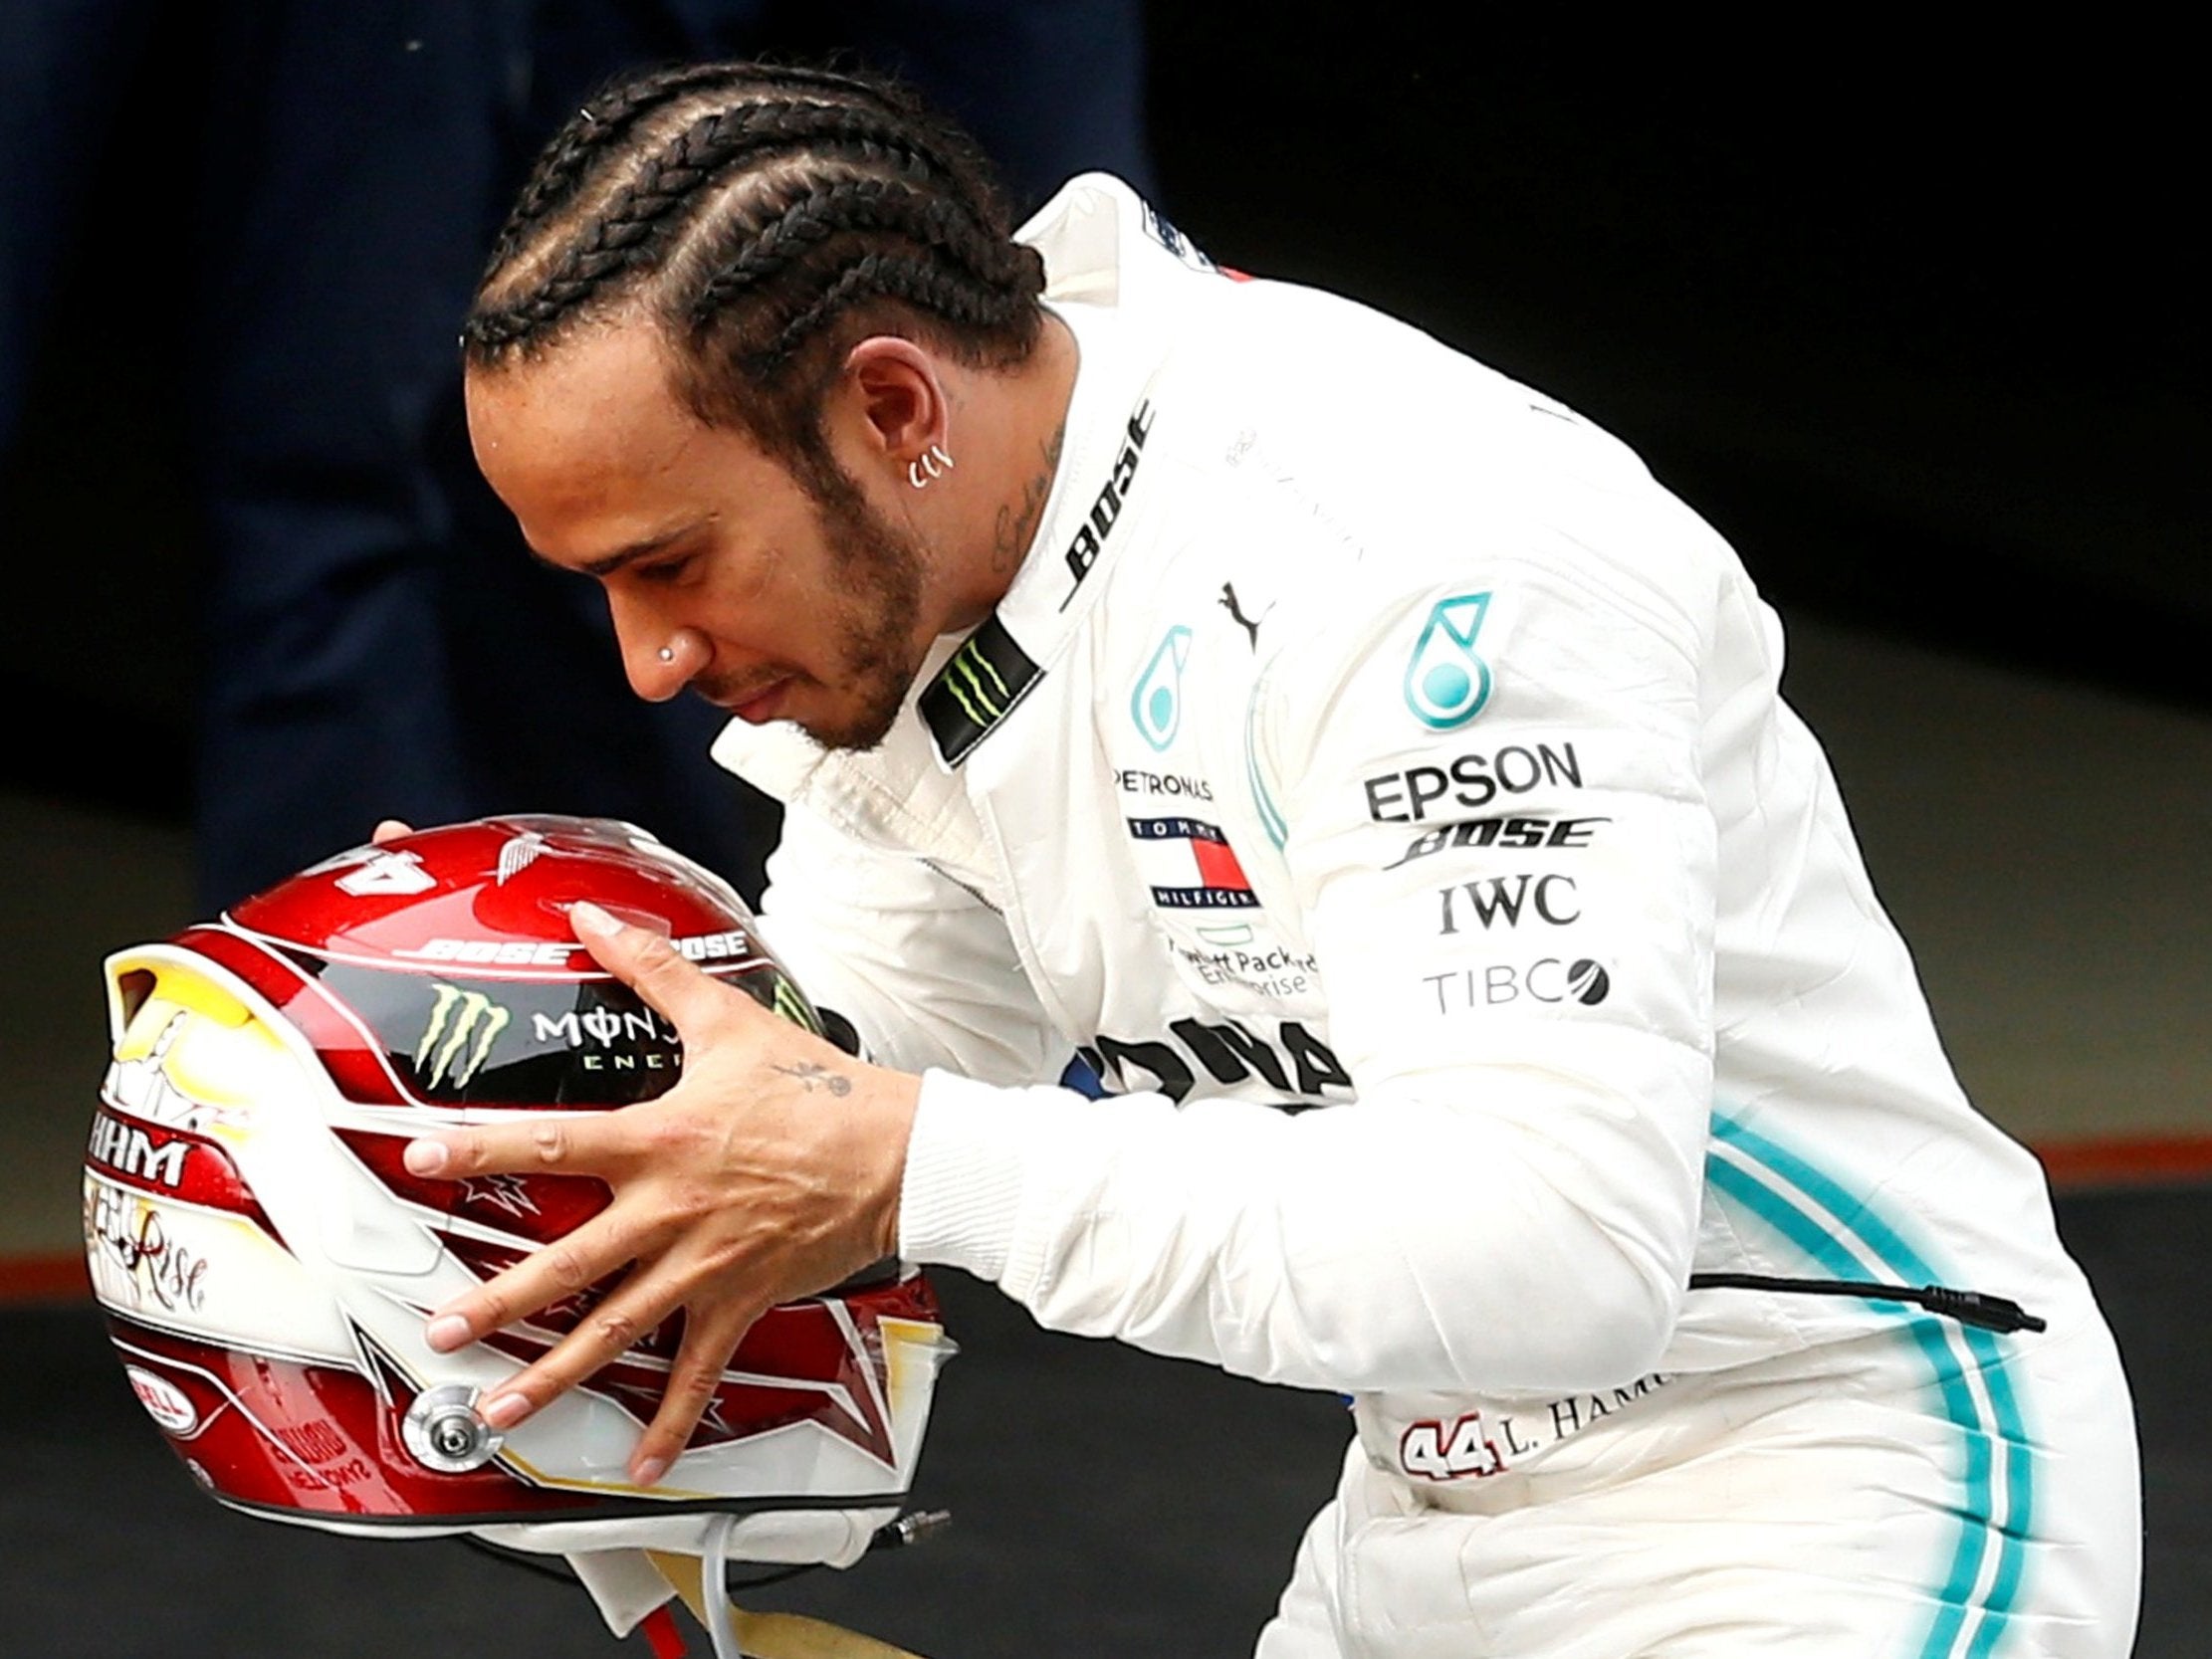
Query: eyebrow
{"x": 608, "y": 564}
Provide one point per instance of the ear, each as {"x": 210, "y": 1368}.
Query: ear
{"x": 892, "y": 386}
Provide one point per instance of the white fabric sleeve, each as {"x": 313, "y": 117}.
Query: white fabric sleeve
{"x": 923, "y": 967}
{"x": 1510, "y": 1203}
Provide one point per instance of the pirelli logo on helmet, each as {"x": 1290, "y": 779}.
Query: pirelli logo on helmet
{"x": 458, "y": 1037}
{"x": 976, "y": 689}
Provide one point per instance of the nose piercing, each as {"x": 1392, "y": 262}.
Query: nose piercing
{"x": 668, "y": 652}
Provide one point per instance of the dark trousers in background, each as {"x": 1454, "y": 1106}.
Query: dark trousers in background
{"x": 320, "y": 184}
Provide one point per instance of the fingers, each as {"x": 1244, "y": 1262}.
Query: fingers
{"x": 709, "y": 1338}
{"x": 610, "y": 1329}
{"x": 591, "y": 1142}
{"x": 628, "y": 1313}
{"x": 653, "y": 967}
{"x": 389, "y": 829}
{"x": 568, "y": 1267}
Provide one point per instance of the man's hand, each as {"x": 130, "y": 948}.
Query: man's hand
{"x": 771, "y": 1171}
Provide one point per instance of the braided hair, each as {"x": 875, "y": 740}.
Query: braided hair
{"x": 765, "y": 218}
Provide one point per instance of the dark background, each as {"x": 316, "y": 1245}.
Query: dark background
{"x": 1915, "y": 315}
{"x": 1918, "y": 321}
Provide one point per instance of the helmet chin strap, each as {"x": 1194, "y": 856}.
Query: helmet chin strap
{"x": 738, "y": 1634}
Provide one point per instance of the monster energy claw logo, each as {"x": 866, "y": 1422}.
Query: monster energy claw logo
{"x": 794, "y": 1007}
{"x": 1446, "y": 683}
{"x": 463, "y": 1026}
{"x": 983, "y": 694}
{"x": 978, "y": 686}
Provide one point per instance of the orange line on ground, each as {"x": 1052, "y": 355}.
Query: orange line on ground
{"x": 44, "y": 1278}
{"x": 2127, "y": 1160}
{"x": 2115, "y": 1161}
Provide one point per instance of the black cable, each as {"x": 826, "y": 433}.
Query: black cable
{"x": 1975, "y": 1308}
{"x": 543, "y": 1565}
{"x": 777, "y": 1578}
{"x": 916, "y": 1527}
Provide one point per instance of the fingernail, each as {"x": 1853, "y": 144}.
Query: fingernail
{"x": 424, "y": 1158}
{"x": 446, "y": 1332}
{"x": 648, "y": 1471}
{"x": 505, "y": 1410}
{"x": 587, "y": 918}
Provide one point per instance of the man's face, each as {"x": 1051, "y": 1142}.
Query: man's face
{"x": 775, "y": 603}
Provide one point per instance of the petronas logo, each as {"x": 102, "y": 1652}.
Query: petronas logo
{"x": 1446, "y": 683}
{"x": 463, "y": 1026}
{"x": 981, "y": 693}
{"x": 1157, "y": 702}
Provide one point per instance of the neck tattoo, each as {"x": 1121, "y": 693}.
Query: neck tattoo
{"x": 1015, "y": 527}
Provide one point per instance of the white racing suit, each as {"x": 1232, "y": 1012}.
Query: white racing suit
{"x": 1384, "y": 782}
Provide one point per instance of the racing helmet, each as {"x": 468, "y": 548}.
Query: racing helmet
{"x": 267, "y": 1263}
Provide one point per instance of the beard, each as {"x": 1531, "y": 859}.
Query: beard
{"x": 881, "y": 566}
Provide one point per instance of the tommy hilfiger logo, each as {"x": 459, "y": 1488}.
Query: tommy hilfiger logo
{"x": 1194, "y": 857}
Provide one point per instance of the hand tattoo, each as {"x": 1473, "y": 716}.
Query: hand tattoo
{"x": 811, "y": 1077}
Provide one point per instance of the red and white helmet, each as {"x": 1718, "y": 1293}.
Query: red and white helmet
{"x": 267, "y": 1263}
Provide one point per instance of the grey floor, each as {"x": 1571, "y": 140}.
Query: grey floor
{"x": 2042, "y": 845}
{"x": 1105, "y": 1503}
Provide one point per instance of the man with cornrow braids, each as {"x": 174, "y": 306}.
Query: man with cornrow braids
{"x": 1384, "y": 782}
{"x": 742, "y": 228}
